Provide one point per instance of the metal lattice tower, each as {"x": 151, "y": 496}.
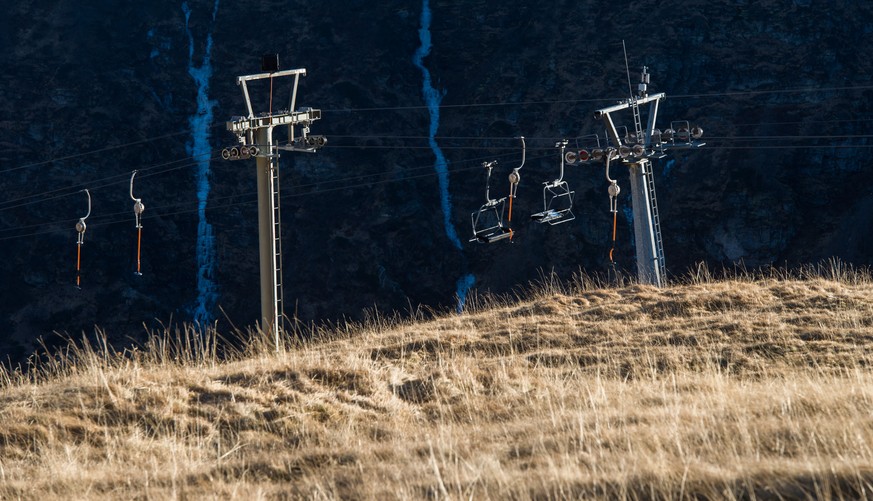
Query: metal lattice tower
{"x": 256, "y": 139}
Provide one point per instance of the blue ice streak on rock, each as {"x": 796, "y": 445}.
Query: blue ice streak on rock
{"x": 201, "y": 151}
{"x": 433, "y": 97}
{"x": 464, "y": 285}
{"x": 668, "y": 166}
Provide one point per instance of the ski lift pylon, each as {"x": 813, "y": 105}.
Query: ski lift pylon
{"x": 557, "y": 197}
{"x": 487, "y": 222}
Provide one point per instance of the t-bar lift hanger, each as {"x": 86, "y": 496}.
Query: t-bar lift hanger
{"x": 515, "y": 178}
{"x": 81, "y": 227}
{"x": 138, "y": 209}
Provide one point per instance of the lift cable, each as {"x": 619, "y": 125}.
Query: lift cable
{"x": 447, "y": 106}
{"x": 345, "y": 187}
{"x": 211, "y": 207}
{"x": 144, "y": 172}
{"x": 605, "y": 100}
{"x": 149, "y": 171}
{"x": 109, "y": 180}
{"x": 507, "y": 138}
{"x": 118, "y": 179}
{"x": 100, "y": 150}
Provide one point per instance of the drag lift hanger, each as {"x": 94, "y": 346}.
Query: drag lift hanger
{"x": 635, "y": 150}
{"x": 255, "y": 138}
{"x": 557, "y": 197}
{"x": 138, "y": 209}
{"x": 515, "y": 178}
{"x": 487, "y": 222}
{"x": 613, "y": 191}
{"x": 80, "y": 228}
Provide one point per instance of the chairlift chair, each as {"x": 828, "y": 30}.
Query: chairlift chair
{"x": 487, "y": 222}
{"x": 557, "y": 197}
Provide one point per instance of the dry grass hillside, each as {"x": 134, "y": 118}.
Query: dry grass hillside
{"x": 745, "y": 388}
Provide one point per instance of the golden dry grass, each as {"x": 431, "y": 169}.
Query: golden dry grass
{"x": 730, "y": 389}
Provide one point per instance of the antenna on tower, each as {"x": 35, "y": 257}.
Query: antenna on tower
{"x": 80, "y": 228}
{"x": 630, "y": 90}
{"x": 138, "y": 209}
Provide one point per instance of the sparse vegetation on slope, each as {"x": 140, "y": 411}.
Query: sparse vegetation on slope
{"x": 713, "y": 389}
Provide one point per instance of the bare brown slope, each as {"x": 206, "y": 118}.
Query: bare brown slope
{"x": 714, "y": 390}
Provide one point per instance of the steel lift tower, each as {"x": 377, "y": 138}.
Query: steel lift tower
{"x": 256, "y": 139}
{"x": 636, "y": 149}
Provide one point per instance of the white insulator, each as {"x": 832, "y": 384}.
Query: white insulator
{"x": 597, "y": 154}
{"x": 614, "y": 190}
{"x": 138, "y": 207}
{"x": 225, "y": 154}
{"x": 514, "y": 177}
{"x": 570, "y": 157}
{"x": 638, "y": 150}
{"x": 81, "y": 226}
{"x": 668, "y": 134}
{"x": 624, "y": 151}
{"x": 697, "y": 132}
{"x": 254, "y": 150}
{"x": 234, "y": 152}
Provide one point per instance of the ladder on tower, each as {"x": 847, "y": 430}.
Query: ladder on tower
{"x": 277, "y": 240}
{"x": 656, "y": 225}
{"x": 638, "y": 125}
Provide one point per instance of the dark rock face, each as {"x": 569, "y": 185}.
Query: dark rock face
{"x": 781, "y": 180}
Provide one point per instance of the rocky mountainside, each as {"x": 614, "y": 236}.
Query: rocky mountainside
{"x": 782, "y": 90}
